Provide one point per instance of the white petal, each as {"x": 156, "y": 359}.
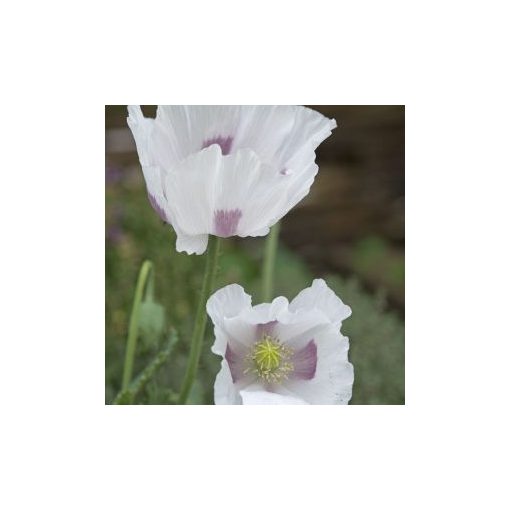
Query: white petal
{"x": 310, "y": 128}
{"x": 142, "y": 131}
{"x": 233, "y": 349}
{"x": 191, "y": 244}
{"x": 224, "y": 195}
{"x": 236, "y": 358}
{"x": 261, "y": 128}
{"x": 239, "y": 331}
{"x": 233, "y": 335}
{"x": 285, "y": 137}
{"x": 141, "y": 128}
{"x": 297, "y": 328}
{"x": 153, "y": 172}
{"x": 263, "y": 397}
{"x": 299, "y": 184}
{"x": 280, "y": 135}
{"x": 266, "y": 312}
{"x": 227, "y": 303}
{"x": 189, "y": 189}
{"x": 224, "y": 334}
{"x": 321, "y": 297}
{"x": 265, "y": 129}
{"x": 253, "y": 189}
{"x": 151, "y": 145}
{"x": 225, "y": 392}
{"x": 334, "y": 375}
{"x": 191, "y": 128}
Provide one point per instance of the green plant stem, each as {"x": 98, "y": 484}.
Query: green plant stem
{"x": 129, "y": 359}
{"x": 128, "y": 395}
{"x": 271, "y": 247}
{"x": 197, "y": 337}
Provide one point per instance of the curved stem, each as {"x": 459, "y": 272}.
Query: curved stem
{"x": 270, "y": 250}
{"x": 145, "y": 272}
{"x": 197, "y": 337}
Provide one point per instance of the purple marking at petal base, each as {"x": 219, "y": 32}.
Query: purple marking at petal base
{"x": 157, "y": 208}
{"x": 225, "y": 143}
{"x": 305, "y": 362}
{"x": 226, "y": 221}
{"x": 235, "y": 363}
{"x": 265, "y": 329}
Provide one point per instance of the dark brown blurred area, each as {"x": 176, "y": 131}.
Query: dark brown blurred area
{"x": 360, "y": 187}
{"x": 356, "y": 205}
{"x": 352, "y": 222}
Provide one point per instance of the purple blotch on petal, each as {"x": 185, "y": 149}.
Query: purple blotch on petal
{"x": 225, "y": 143}
{"x": 157, "y": 208}
{"x": 235, "y": 363}
{"x": 265, "y": 329}
{"x": 305, "y": 362}
{"x": 226, "y": 221}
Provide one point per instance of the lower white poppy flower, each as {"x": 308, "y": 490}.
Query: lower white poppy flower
{"x": 281, "y": 353}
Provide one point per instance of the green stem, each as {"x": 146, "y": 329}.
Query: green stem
{"x": 128, "y": 395}
{"x": 201, "y": 318}
{"x": 270, "y": 250}
{"x": 143, "y": 276}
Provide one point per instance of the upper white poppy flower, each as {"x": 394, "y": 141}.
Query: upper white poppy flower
{"x": 226, "y": 170}
{"x": 281, "y": 353}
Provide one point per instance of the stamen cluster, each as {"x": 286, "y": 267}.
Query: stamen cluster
{"x": 269, "y": 359}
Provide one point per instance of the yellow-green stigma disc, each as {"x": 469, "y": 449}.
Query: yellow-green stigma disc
{"x": 269, "y": 359}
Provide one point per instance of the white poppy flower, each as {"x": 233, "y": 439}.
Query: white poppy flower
{"x": 226, "y": 170}
{"x": 281, "y": 353}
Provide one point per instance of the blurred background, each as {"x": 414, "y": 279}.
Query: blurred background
{"x": 349, "y": 230}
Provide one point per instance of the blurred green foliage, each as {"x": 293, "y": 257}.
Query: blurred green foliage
{"x": 135, "y": 233}
{"x": 374, "y": 259}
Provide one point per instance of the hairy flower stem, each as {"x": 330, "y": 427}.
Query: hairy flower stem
{"x": 146, "y": 276}
{"x": 201, "y": 318}
{"x": 270, "y": 250}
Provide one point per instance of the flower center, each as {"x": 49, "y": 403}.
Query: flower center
{"x": 269, "y": 359}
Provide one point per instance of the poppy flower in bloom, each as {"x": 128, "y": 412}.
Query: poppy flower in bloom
{"x": 281, "y": 352}
{"x": 226, "y": 170}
